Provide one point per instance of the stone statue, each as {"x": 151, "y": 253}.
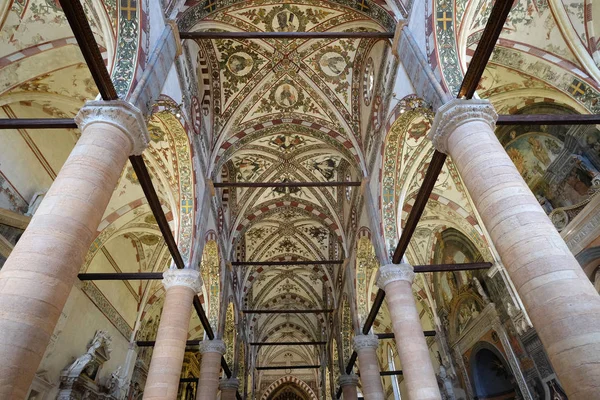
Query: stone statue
{"x": 480, "y": 290}
{"x": 79, "y": 380}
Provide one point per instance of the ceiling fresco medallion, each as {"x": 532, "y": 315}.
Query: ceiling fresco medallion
{"x": 285, "y": 21}
{"x": 240, "y": 63}
{"x": 286, "y": 95}
{"x": 332, "y": 64}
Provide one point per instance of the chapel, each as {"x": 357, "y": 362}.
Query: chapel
{"x": 299, "y": 199}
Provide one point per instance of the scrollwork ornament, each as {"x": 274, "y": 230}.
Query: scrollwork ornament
{"x": 456, "y": 113}
{"x": 122, "y": 115}
{"x": 212, "y": 346}
{"x": 183, "y": 277}
{"x": 365, "y": 342}
{"x": 395, "y": 272}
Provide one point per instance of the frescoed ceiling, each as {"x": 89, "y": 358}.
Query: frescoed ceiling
{"x": 546, "y": 49}
{"x": 288, "y": 111}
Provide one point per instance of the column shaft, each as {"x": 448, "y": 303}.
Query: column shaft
{"x": 349, "y": 392}
{"x": 417, "y": 368}
{"x": 368, "y": 365}
{"x": 229, "y": 388}
{"x": 561, "y": 301}
{"x": 39, "y": 274}
{"x": 348, "y": 384}
{"x": 210, "y": 369}
{"x": 169, "y": 349}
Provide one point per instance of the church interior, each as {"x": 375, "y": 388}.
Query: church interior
{"x": 299, "y": 199}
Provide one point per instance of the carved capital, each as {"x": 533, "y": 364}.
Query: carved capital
{"x": 456, "y": 113}
{"x": 395, "y": 272}
{"x": 365, "y": 342}
{"x": 231, "y": 383}
{"x": 212, "y": 346}
{"x": 182, "y": 277}
{"x": 348, "y": 380}
{"x": 121, "y": 114}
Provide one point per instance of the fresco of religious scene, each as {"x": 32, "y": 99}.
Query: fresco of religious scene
{"x": 452, "y": 247}
{"x": 249, "y": 167}
{"x": 561, "y": 164}
{"x": 325, "y": 166}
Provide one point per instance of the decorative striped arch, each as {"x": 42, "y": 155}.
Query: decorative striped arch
{"x": 288, "y": 379}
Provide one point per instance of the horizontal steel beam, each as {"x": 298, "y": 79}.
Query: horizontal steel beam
{"x": 124, "y": 276}
{"x": 276, "y": 263}
{"x": 283, "y": 184}
{"x": 505, "y": 119}
{"x": 392, "y": 336}
{"x": 548, "y": 119}
{"x": 286, "y": 35}
{"x": 120, "y": 276}
{"x": 151, "y": 343}
{"x": 287, "y": 343}
{"x": 287, "y": 311}
{"x": 288, "y": 367}
{"x": 452, "y": 267}
{"x": 37, "y": 123}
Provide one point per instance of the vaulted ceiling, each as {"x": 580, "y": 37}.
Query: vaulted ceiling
{"x": 289, "y": 111}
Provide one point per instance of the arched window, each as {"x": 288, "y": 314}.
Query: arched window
{"x": 392, "y": 367}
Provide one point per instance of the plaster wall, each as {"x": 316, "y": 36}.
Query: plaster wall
{"x": 77, "y": 326}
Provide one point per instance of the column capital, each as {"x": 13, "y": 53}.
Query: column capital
{"x": 231, "y": 383}
{"x": 212, "y": 346}
{"x": 348, "y": 380}
{"x": 182, "y": 277}
{"x": 456, "y": 113}
{"x": 119, "y": 113}
{"x": 395, "y": 272}
{"x": 365, "y": 342}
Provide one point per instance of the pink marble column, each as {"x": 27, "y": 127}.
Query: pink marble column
{"x": 229, "y": 388}
{"x": 368, "y": 366}
{"x": 417, "y": 368}
{"x": 560, "y": 300}
{"x": 348, "y": 384}
{"x": 210, "y": 369}
{"x": 39, "y": 274}
{"x": 181, "y": 286}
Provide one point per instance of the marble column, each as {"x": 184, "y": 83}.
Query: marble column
{"x": 348, "y": 384}
{"x": 417, "y": 369}
{"x": 210, "y": 368}
{"x": 229, "y": 388}
{"x": 560, "y": 300}
{"x": 39, "y": 274}
{"x": 181, "y": 285}
{"x": 368, "y": 365}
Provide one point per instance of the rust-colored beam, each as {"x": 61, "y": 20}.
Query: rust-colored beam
{"x": 146, "y": 182}
{"x": 83, "y": 33}
{"x": 433, "y": 171}
{"x": 286, "y": 35}
{"x": 392, "y": 336}
{"x": 486, "y": 45}
{"x": 89, "y": 48}
{"x": 452, "y": 267}
{"x": 316, "y": 311}
{"x": 120, "y": 276}
{"x": 548, "y": 119}
{"x": 283, "y": 263}
{"x": 37, "y": 123}
{"x": 504, "y": 119}
{"x": 288, "y": 367}
{"x": 283, "y": 184}
{"x": 287, "y": 343}
{"x": 484, "y": 49}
